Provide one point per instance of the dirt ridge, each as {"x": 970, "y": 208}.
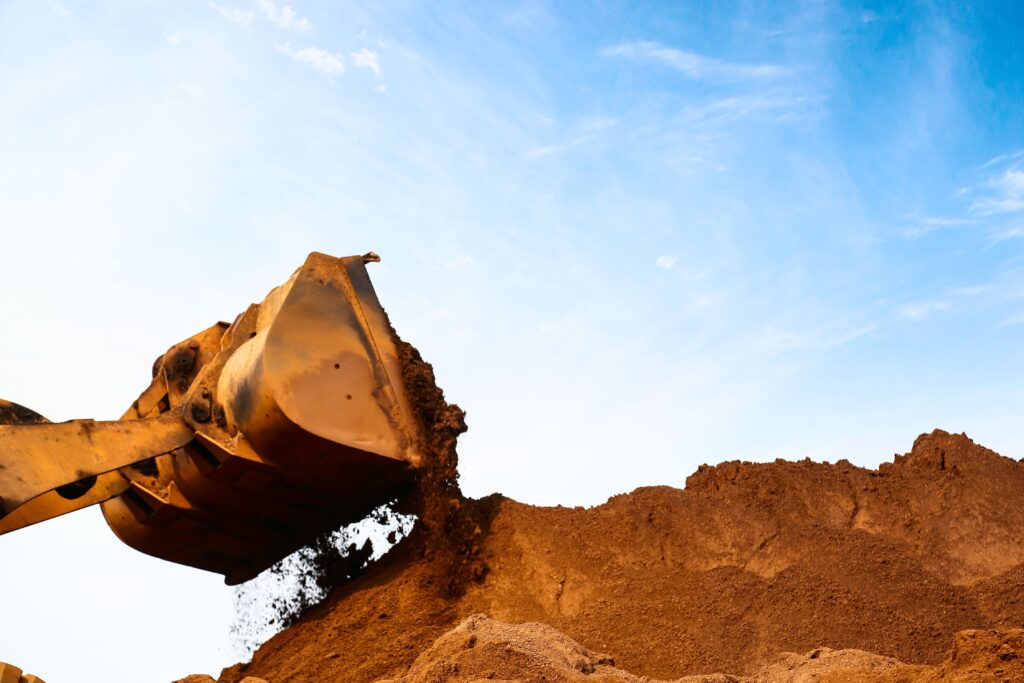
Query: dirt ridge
{"x": 480, "y": 648}
{"x": 747, "y": 562}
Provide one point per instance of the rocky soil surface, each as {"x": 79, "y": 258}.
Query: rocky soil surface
{"x": 914, "y": 571}
{"x": 481, "y": 648}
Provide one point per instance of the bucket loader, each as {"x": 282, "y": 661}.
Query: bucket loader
{"x": 252, "y": 438}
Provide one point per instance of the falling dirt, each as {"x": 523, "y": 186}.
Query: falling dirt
{"x": 878, "y": 571}
{"x": 447, "y": 534}
{"x": 449, "y": 529}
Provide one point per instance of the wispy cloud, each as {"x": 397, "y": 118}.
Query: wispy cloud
{"x": 237, "y": 16}
{"x": 1001, "y": 159}
{"x": 921, "y": 310}
{"x": 775, "y": 341}
{"x": 587, "y": 131}
{"x": 283, "y": 17}
{"x": 1009, "y": 233}
{"x": 691, "y": 64}
{"x": 1013, "y": 320}
{"x": 1005, "y": 192}
{"x": 367, "y": 59}
{"x": 325, "y": 62}
{"x": 973, "y": 290}
{"x": 546, "y": 150}
{"x": 175, "y": 38}
{"x": 724, "y": 110}
{"x": 993, "y": 204}
{"x": 666, "y": 261}
{"x": 952, "y": 300}
{"x": 1012, "y": 182}
{"x": 921, "y": 226}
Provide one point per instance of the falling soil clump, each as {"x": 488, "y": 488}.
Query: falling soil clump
{"x": 449, "y": 527}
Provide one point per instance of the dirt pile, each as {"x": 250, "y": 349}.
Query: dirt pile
{"x": 747, "y": 562}
{"x": 481, "y": 648}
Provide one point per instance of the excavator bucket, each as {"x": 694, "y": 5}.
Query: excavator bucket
{"x": 252, "y": 438}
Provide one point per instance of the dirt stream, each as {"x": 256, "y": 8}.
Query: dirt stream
{"x": 871, "y": 575}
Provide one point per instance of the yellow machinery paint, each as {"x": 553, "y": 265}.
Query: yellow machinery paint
{"x": 252, "y": 437}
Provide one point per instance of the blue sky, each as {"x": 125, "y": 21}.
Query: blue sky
{"x": 631, "y": 238}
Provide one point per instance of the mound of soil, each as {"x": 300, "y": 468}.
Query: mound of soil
{"x": 481, "y": 648}
{"x": 747, "y": 562}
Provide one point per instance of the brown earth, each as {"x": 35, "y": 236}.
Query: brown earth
{"x": 747, "y": 562}
{"x": 481, "y": 648}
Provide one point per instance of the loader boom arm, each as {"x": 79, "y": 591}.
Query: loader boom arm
{"x": 39, "y": 458}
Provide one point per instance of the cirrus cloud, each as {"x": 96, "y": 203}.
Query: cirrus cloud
{"x": 691, "y": 64}
{"x": 325, "y": 62}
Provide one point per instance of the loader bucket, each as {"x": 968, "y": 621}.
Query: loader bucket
{"x": 253, "y": 437}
